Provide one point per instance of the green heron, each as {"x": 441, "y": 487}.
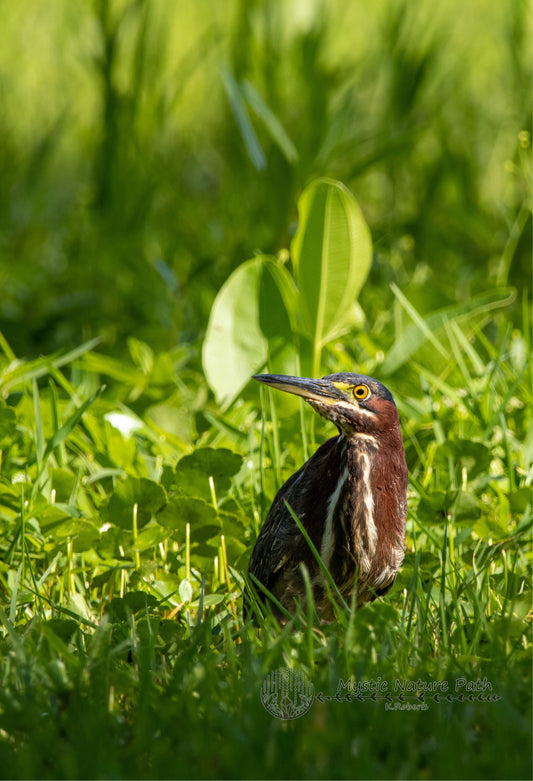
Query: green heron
{"x": 350, "y": 497}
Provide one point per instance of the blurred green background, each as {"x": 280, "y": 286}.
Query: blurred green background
{"x": 140, "y": 164}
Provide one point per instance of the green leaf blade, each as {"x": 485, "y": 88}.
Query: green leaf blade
{"x": 238, "y": 108}
{"x": 332, "y": 254}
{"x": 271, "y": 122}
{"x": 414, "y": 335}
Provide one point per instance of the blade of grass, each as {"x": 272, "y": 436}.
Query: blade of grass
{"x": 24, "y": 372}
{"x": 62, "y": 433}
{"x": 269, "y": 594}
{"x": 316, "y": 554}
{"x": 242, "y": 118}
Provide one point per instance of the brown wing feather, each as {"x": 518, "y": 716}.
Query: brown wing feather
{"x": 272, "y": 548}
{"x": 280, "y": 546}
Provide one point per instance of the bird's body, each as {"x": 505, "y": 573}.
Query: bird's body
{"x": 350, "y": 496}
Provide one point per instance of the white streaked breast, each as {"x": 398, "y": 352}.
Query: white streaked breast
{"x": 369, "y": 506}
{"x": 365, "y": 438}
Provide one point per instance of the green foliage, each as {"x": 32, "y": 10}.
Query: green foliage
{"x": 129, "y": 193}
{"x": 421, "y": 330}
{"x": 235, "y": 344}
{"x": 260, "y": 304}
{"x": 161, "y": 145}
{"x": 331, "y": 253}
{"x": 122, "y": 562}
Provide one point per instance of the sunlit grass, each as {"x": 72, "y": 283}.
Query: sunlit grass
{"x": 122, "y": 607}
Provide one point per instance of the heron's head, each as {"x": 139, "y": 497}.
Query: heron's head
{"x": 355, "y": 403}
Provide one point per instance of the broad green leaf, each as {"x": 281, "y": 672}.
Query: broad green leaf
{"x": 62, "y": 627}
{"x": 149, "y": 497}
{"x": 436, "y": 506}
{"x": 475, "y": 457}
{"x": 147, "y": 538}
{"x": 232, "y": 525}
{"x": 416, "y": 334}
{"x": 120, "y": 449}
{"x": 332, "y": 254}
{"x": 61, "y": 520}
{"x": 278, "y": 316}
{"x": 487, "y": 529}
{"x": 63, "y": 483}
{"x": 235, "y": 346}
{"x": 132, "y": 602}
{"x": 85, "y": 539}
{"x": 520, "y": 500}
{"x": 182, "y": 510}
{"x": 192, "y": 473}
{"x": 235, "y": 548}
{"x": 277, "y": 301}
{"x": 185, "y": 590}
{"x": 467, "y": 508}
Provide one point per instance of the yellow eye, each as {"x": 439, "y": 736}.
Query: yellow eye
{"x": 361, "y": 392}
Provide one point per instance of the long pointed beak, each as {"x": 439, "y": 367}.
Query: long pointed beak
{"x": 310, "y": 390}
